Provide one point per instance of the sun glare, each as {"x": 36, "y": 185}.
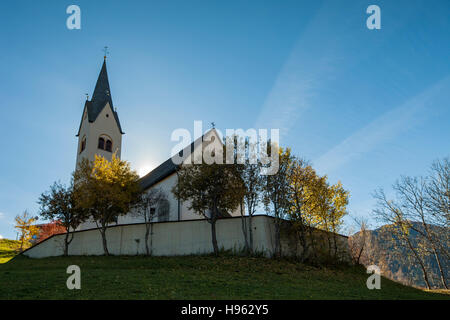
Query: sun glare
{"x": 144, "y": 169}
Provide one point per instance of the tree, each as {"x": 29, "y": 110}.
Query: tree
{"x": 303, "y": 184}
{"x": 145, "y": 207}
{"x": 211, "y": 191}
{"x": 249, "y": 167}
{"x": 337, "y": 209}
{"x": 437, "y": 202}
{"x": 390, "y": 213}
{"x": 412, "y": 201}
{"x": 358, "y": 242}
{"x": 253, "y": 186}
{"x": 49, "y": 229}
{"x": 26, "y": 227}
{"x": 314, "y": 204}
{"x": 422, "y": 204}
{"x": 58, "y": 205}
{"x": 107, "y": 190}
{"x": 276, "y": 193}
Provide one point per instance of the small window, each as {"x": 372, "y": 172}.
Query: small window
{"x": 83, "y": 145}
{"x": 108, "y": 146}
{"x": 101, "y": 143}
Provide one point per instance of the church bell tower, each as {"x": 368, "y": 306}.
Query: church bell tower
{"x": 100, "y": 131}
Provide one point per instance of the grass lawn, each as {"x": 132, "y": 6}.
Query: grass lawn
{"x": 192, "y": 277}
{"x": 8, "y": 249}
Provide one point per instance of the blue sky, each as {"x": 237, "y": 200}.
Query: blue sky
{"x": 365, "y": 106}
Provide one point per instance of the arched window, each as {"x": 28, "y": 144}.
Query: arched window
{"x": 83, "y": 144}
{"x": 108, "y": 145}
{"x": 164, "y": 210}
{"x": 101, "y": 143}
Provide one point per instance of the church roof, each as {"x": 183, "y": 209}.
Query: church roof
{"x": 166, "y": 168}
{"x": 100, "y": 97}
{"x": 159, "y": 173}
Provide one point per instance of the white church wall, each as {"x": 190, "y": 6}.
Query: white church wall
{"x": 169, "y": 238}
{"x": 179, "y": 238}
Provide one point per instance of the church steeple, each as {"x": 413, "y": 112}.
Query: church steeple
{"x": 102, "y": 92}
{"x": 100, "y": 131}
{"x": 100, "y": 97}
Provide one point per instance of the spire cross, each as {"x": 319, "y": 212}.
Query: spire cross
{"x": 105, "y": 51}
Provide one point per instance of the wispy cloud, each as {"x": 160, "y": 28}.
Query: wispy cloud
{"x": 385, "y": 127}
{"x": 302, "y": 76}
{"x": 1, "y": 237}
{"x": 320, "y": 54}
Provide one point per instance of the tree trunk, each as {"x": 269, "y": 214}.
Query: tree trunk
{"x": 66, "y": 244}
{"x": 105, "y": 246}
{"x": 302, "y": 238}
{"x": 335, "y": 245}
{"x": 433, "y": 246}
{"x": 151, "y": 239}
{"x": 440, "y": 268}
{"x": 147, "y": 231}
{"x": 244, "y": 230}
{"x": 213, "y": 236}
{"x": 277, "y": 239}
{"x": 422, "y": 266}
{"x": 250, "y": 230}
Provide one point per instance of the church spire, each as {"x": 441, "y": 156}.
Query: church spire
{"x": 100, "y": 98}
{"x": 102, "y": 92}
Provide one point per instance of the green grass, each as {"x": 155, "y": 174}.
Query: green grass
{"x": 8, "y": 249}
{"x": 192, "y": 277}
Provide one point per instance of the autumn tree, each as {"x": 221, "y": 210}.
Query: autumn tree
{"x": 422, "y": 206}
{"x": 253, "y": 187}
{"x": 412, "y": 200}
{"x": 107, "y": 190}
{"x": 276, "y": 192}
{"x": 303, "y": 184}
{"x": 49, "y": 229}
{"x": 249, "y": 168}
{"x": 211, "y": 190}
{"x": 331, "y": 219}
{"x": 145, "y": 207}
{"x": 25, "y": 223}
{"x": 399, "y": 227}
{"x": 58, "y": 205}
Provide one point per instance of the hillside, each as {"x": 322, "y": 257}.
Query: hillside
{"x": 192, "y": 277}
{"x": 395, "y": 261}
{"x": 8, "y": 249}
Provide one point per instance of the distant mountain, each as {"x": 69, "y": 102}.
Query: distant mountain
{"x": 396, "y": 262}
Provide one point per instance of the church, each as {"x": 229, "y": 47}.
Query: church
{"x": 176, "y": 230}
{"x": 100, "y": 133}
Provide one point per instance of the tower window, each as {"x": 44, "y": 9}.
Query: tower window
{"x": 101, "y": 143}
{"x": 105, "y": 143}
{"x": 108, "y": 145}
